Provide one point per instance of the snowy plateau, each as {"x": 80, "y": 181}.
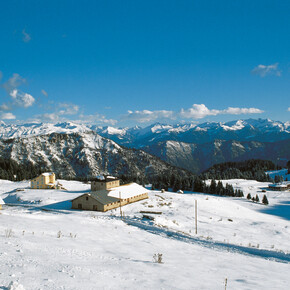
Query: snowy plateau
{"x": 239, "y": 244}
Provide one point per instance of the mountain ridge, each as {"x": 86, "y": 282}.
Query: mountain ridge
{"x": 194, "y": 147}
{"x": 84, "y": 155}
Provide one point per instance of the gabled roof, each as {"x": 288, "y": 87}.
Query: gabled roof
{"x": 105, "y": 179}
{"x": 127, "y": 190}
{"x": 113, "y": 194}
{"x": 101, "y": 196}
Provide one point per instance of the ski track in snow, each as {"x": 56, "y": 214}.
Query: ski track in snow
{"x": 265, "y": 254}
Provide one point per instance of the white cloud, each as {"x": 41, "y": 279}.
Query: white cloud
{"x": 47, "y": 117}
{"x": 59, "y": 112}
{"x": 264, "y": 70}
{"x": 148, "y": 116}
{"x": 7, "y": 116}
{"x": 199, "y": 111}
{"x": 289, "y": 109}
{"x": 68, "y": 109}
{"x": 97, "y": 119}
{"x": 22, "y": 99}
{"x": 15, "y": 81}
{"x": 19, "y": 98}
{"x": 4, "y": 107}
{"x": 25, "y": 36}
{"x": 239, "y": 111}
{"x": 44, "y": 93}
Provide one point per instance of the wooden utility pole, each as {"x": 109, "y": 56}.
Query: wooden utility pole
{"x": 196, "y": 217}
{"x": 120, "y": 204}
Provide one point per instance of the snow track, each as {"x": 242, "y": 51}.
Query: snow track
{"x": 280, "y": 257}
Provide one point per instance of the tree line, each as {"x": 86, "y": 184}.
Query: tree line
{"x": 11, "y": 170}
{"x": 253, "y": 169}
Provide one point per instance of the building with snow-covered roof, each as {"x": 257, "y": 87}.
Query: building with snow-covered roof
{"x": 44, "y": 181}
{"x": 281, "y": 186}
{"x": 104, "y": 183}
{"x": 1, "y": 203}
{"x": 110, "y": 198}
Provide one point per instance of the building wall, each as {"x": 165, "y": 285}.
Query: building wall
{"x": 0, "y": 206}
{"x": 87, "y": 203}
{"x": 41, "y": 182}
{"x": 52, "y": 178}
{"x": 38, "y": 182}
{"x": 99, "y": 185}
{"x": 278, "y": 188}
{"x": 126, "y": 201}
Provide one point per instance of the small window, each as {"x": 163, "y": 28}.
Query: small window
{"x": 87, "y": 198}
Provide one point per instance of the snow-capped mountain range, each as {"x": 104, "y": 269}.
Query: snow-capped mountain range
{"x": 37, "y": 129}
{"x": 79, "y": 149}
{"x": 263, "y": 130}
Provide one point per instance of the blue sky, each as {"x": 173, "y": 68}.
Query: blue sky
{"x": 134, "y": 62}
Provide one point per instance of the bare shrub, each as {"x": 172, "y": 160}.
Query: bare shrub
{"x": 8, "y": 233}
{"x": 157, "y": 258}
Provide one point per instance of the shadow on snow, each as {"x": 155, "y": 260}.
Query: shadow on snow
{"x": 264, "y": 254}
{"x": 281, "y": 209}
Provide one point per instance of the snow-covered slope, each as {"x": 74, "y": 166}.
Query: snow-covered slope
{"x": 46, "y": 245}
{"x": 82, "y": 155}
{"x": 37, "y": 129}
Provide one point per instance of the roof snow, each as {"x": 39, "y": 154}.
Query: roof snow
{"x": 1, "y": 201}
{"x": 47, "y": 173}
{"x": 127, "y": 191}
{"x": 280, "y": 184}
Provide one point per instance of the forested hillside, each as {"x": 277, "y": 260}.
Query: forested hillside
{"x": 249, "y": 169}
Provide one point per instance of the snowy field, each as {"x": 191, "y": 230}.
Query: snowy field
{"x": 46, "y": 245}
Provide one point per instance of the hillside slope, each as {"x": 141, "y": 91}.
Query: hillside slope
{"x": 72, "y": 249}
{"x": 83, "y": 155}
{"x": 199, "y": 157}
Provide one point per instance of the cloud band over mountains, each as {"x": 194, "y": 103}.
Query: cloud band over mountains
{"x": 197, "y": 111}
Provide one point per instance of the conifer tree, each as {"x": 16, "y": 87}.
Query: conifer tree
{"x": 249, "y": 196}
{"x": 265, "y": 200}
{"x": 220, "y": 188}
{"x": 212, "y": 188}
